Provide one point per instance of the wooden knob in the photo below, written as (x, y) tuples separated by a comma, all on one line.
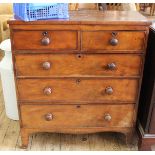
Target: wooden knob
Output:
[(109, 90), (113, 41), (47, 91), (46, 65), (45, 41), (48, 117), (107, 117), (111, 66)]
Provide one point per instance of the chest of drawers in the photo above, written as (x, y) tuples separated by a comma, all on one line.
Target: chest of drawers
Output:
[(80, 75)]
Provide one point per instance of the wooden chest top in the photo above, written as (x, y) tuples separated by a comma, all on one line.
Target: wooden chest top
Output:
[(94, 17)]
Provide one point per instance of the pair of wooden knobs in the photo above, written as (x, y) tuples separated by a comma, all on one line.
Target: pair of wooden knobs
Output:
[(49, 117), (47, 65), (48, 90), (46, 41)]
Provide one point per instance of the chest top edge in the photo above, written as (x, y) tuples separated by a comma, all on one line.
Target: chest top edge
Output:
[(92, 17)]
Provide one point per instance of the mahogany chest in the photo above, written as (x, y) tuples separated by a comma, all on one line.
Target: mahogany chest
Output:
[(80, 75)]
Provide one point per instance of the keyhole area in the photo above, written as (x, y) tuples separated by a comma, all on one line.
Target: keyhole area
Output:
[(78, 81), (79, 56), (78, 106)]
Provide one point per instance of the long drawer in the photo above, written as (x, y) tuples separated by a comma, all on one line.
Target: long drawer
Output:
[(78, 90), (53, 116), (113, 40), (78, 65), (45, 40)]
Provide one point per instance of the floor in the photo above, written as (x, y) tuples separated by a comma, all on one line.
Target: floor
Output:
[(10, 136)]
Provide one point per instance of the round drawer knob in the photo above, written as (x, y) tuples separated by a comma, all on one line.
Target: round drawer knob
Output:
[(109, 90), (107, 117), (111, 66), (47, 91), (45, 41), (48, 117), (113, 41), (46, 65)]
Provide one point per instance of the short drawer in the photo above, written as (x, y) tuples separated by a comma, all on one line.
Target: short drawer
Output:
[(53, 116), (117, 40), (78, 90), (74, 65), (45, 40)]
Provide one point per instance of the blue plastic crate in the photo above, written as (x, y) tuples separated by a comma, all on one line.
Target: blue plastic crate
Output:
[(38, 11)]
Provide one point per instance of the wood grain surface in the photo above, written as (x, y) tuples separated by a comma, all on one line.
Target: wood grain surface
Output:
[(100, 40), (94, 17), (72, 116), (78, 90), (78, 65), (58, 40)]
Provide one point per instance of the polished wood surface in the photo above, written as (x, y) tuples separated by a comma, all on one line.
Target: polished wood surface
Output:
[(35, 40), (73, 116), (78, 90), (101, 40), (94, 17), (88, 67), (74, 65)]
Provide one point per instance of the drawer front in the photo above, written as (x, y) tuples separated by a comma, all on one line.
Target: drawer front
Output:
[(107, 40), (53, 40), (50, 116), (78, 65), (78, 90)]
